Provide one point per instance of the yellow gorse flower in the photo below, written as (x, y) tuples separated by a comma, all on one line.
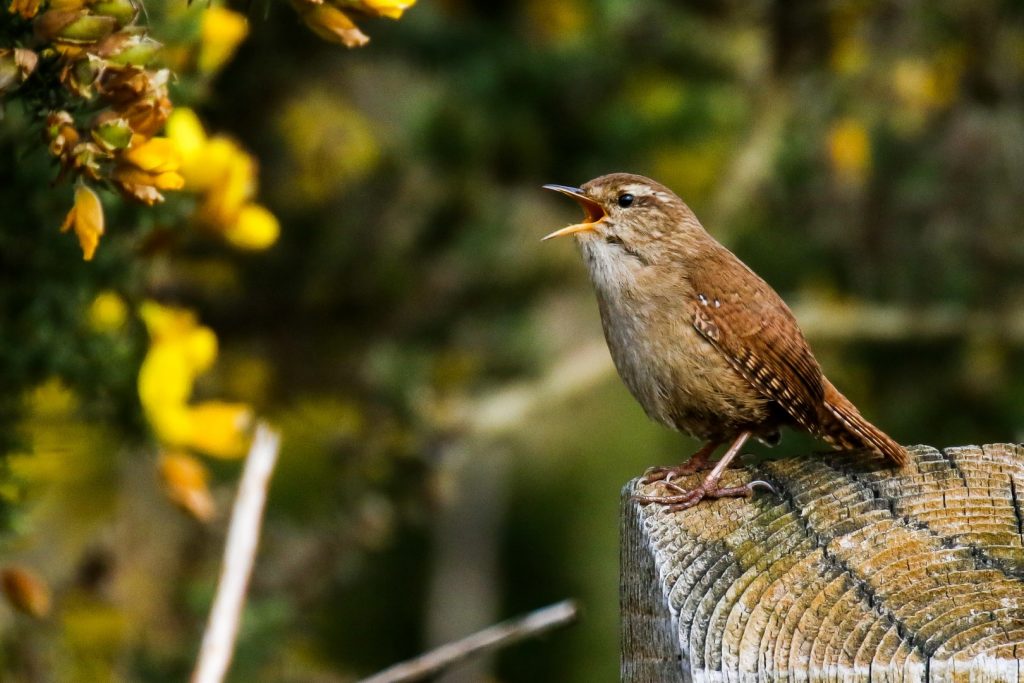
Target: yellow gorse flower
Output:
[(186, 132), (107, 312), (219, 428), (392, 9), (221, 32), (180, 350), (26, 591), (230, 179), (330, 146), (186, 482), (225, 175), (156, 155), (849, 148), (149, 167), (328, 18), (256, 228), (330, 23), (103, 59), (26, 8), (86, 217)]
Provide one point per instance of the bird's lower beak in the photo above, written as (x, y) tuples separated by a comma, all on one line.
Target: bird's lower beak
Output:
[(593, 209)]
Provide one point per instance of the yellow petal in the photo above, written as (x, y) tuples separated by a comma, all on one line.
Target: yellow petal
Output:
[(87, 218), (213, 164), (849, 147), (220, 429), (107, 312), (392, 9), (69, 220), (26, 8), (331, 24), (180, 350), (168, 180), (156, 155), (26, 591), (231, 190), (166, 322), (165, 384), (200, 348), (172, 424), (256, 228), (221, 32), (137, 184), (185, 480), (186, 132), (131, 177), (311, 124), (168, 325), (126, 175)]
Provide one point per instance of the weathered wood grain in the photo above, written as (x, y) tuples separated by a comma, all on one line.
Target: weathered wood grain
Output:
[(854, 572)]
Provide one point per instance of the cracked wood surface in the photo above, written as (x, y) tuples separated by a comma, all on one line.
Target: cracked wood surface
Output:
[(854, 572)]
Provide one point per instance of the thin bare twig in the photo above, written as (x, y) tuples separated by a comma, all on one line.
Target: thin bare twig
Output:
[(239, 553), (491, 638)]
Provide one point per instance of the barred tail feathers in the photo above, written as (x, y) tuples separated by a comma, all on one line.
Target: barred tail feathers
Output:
[(849, 429)]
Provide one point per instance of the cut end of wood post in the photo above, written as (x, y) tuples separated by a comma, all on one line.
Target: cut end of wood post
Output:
[(853, 572)]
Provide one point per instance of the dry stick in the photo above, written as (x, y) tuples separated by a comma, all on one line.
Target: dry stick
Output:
[(239, 554), (491, 638)]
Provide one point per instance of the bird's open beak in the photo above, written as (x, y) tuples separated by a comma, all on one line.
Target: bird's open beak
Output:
[(595, 212)]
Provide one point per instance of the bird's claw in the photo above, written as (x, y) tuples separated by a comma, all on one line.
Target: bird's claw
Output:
[(666, 473), (683, 499), (653, 474), (763, 484), (672, 486)]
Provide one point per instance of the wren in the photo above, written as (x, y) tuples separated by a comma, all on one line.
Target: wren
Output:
[(702, 342)]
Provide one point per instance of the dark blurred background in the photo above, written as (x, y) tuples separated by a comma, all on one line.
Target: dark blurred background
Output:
[(455, 438)]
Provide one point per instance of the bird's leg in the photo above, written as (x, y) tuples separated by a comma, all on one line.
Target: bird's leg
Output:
[(708, 488), (696, 463)]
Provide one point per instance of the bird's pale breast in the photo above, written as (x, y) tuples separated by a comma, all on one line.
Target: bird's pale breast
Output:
[(679, 378)]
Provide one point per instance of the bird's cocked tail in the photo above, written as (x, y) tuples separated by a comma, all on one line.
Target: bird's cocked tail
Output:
[(847, 428)]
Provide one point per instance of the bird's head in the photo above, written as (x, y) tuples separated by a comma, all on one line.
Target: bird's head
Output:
[(630, 214)]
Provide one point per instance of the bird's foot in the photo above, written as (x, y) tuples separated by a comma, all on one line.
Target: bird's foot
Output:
[(684, 499), (697, 463), (667, 473)]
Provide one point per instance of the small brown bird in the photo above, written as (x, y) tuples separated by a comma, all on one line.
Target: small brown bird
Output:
[(705, 345)]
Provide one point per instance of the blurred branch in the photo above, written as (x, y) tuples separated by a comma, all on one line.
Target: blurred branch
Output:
[(752, 164), (491, 638), (887, 323), (574, 373), (589, 364), (465, 571), (239, 554)]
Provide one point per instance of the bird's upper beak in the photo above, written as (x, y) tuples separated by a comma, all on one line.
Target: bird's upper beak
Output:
[(595, 212)]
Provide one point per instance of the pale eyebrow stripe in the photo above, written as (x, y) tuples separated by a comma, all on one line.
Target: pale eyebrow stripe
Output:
[(637, 190)]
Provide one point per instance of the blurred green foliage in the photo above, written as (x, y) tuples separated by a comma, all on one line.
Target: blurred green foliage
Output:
[(857, 154)]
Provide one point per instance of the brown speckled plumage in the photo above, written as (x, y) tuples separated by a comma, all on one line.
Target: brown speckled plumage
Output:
[(703, 343)]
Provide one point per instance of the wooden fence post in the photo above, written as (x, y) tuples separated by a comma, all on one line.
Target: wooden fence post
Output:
[(853, 572)]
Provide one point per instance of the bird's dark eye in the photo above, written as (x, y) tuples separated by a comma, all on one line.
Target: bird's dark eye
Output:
[(625, 200)]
